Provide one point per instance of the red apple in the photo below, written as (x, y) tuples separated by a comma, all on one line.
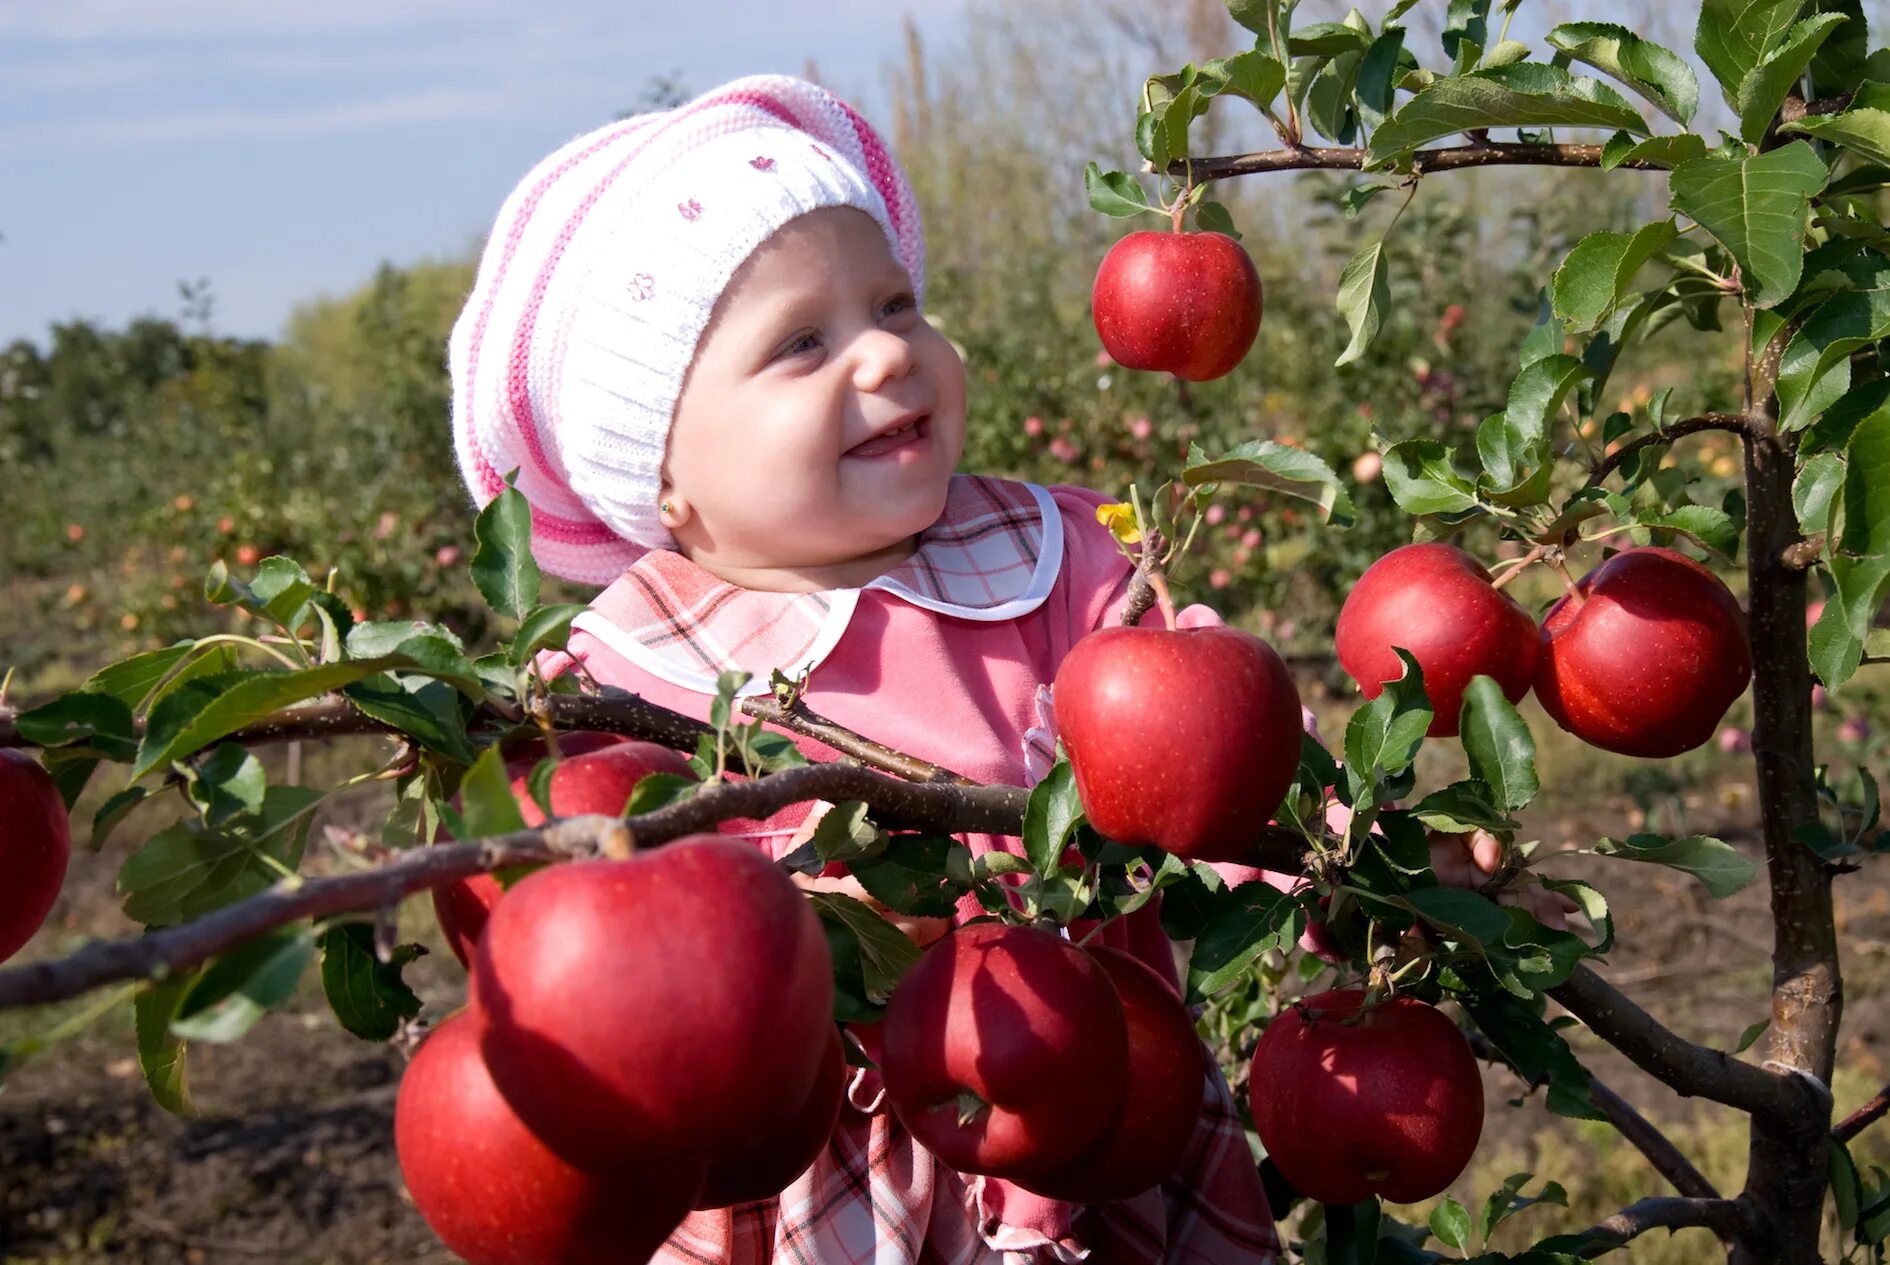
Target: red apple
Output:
[(1435, 601), (1186, 739), (35, 844), (1005, 1051), (1645, 656), (1161, 1106), (496, 1195), (1182, 303), (597, 774), (1387, 1103), (679, 1002), (770, 1161)]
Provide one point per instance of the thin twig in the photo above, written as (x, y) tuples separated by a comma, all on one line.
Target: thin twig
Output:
[(1863, 1117), (801, 719), (1690, 1070), (1453, 158), (1754, 429)]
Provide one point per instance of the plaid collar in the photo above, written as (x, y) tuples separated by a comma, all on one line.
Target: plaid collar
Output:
[(992, 555)]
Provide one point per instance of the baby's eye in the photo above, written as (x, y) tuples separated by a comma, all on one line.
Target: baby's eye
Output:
[(800, 344), (897, 304)]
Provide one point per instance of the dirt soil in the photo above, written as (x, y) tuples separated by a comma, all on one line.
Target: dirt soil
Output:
[(289, 1156)]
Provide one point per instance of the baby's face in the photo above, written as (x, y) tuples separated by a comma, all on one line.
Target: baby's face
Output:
[(780, 474)]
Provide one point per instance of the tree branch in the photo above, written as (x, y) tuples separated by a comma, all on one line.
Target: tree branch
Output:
[(1690, 1070), (1631, 1124), (1424, 161), (1863, 1117), (1753, 429), (1724, 1217), (943, 807)]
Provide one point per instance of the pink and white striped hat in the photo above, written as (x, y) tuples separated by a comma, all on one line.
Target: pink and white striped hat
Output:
[(600, 276)]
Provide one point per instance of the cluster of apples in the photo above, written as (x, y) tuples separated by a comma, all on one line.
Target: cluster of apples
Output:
[(1074, 1072), (1642, 657), (644, 1037), (35, 845)]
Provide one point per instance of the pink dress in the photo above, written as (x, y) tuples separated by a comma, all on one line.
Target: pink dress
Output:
[(945, 657)]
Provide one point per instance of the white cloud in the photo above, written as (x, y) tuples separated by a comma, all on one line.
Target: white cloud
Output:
[(446, 105)]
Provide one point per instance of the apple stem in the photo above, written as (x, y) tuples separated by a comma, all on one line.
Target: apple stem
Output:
[(1180, 209), (1518, 566), (1574, 589), (1159, 582)]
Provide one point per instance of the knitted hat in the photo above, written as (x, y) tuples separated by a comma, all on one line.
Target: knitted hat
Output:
[(599, 278)]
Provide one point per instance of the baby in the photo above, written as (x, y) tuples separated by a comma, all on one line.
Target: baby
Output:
[(698, 336)]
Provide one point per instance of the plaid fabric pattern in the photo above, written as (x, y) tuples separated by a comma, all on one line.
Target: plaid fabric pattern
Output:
[(876, 1197), (993, 554)]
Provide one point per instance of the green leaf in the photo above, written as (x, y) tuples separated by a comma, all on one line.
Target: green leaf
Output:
[(1508, 1201), (1752, 1033), (1363, 297), (229, 784), (1757, 206), (545, 628), (1254, 75), (243, 985), (1538, 1052), (1384, 735), (1114, 193), (1718, 866), (1863, 127), (1465, 22), (1051, 816), (1593, 904), (130, 680), (1846, 1190), (1538, 391), (1451, 1224), (420, 647), (1462, 807), (1815, 368), (205, 709), (486, 803), (915, 875), (282, 588), (1860, 564), (1423, 480), (114, 811), (1327, 39), (1253, 14), (502, 563), (658, 790), (1243, 923), (160, 1053), (1734, 36), (100, 723), (432, 712), (1212, 217), (1515, 465), (188, 870), (69, 773), (1278, 468), (1660, 151), (1526, 95), (367, 995), (1814, 491), (1764, 87), (1497, 741), (1600, 271), (1377, 76), (1657, 73), (843, 832), (1352, 1231), (1713, 528), (886, 953)]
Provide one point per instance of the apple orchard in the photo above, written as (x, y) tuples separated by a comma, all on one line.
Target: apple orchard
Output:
[(568, 837)]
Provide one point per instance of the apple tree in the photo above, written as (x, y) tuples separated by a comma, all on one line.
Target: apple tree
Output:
[(1445, 938)]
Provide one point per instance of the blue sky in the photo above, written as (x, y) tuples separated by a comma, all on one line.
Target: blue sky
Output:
[(283, 148)]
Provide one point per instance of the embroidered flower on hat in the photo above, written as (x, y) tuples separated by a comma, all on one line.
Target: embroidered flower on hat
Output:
[(761, 164), (690, 210), (642, 286)]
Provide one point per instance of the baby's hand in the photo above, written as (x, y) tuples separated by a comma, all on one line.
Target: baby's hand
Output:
[(921, 931), (1469, 860)]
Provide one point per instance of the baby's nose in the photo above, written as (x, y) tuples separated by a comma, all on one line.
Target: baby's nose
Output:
[(881, 356)]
